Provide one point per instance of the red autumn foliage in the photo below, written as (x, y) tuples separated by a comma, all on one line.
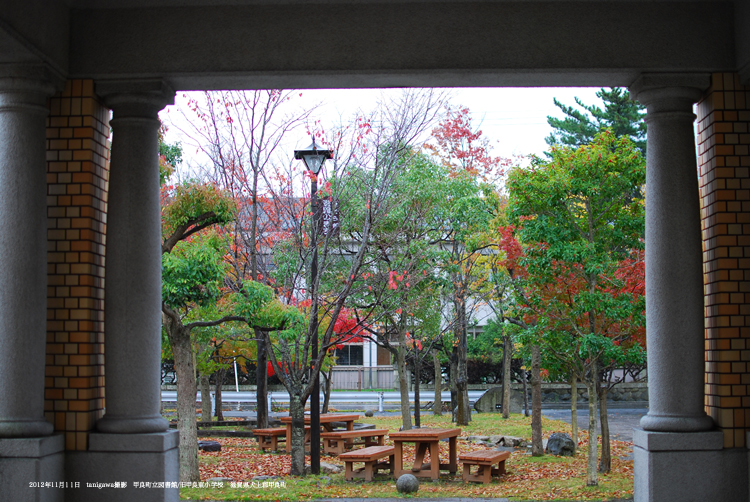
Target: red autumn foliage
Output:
[(462, 147), (569, 282)]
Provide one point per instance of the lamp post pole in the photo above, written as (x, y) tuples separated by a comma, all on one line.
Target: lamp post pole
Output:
[(315, 403), (313, 157)]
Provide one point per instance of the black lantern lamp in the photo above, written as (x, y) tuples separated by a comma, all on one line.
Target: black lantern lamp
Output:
[(313, 157)]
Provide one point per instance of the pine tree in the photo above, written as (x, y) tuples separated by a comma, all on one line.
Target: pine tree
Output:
[(624, 116)]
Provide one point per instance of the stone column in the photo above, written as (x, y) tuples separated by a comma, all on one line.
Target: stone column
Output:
[(132, 443), (674, 258), (28, 450), (132, 309), (23, 247), (677, 455)]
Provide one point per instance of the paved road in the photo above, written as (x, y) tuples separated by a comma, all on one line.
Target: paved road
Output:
[(621, 420), (368, 398)]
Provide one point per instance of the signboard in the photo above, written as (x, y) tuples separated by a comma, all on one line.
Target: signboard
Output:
[(329, 222)]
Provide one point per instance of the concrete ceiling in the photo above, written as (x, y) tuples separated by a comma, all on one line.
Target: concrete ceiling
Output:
[(208, 44)]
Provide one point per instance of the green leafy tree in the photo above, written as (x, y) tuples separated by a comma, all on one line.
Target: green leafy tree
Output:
[(400, 286), (191, 207), (485, 345), (622, 115), (192, 273), (580, 220), (464, 220), (467, 211)]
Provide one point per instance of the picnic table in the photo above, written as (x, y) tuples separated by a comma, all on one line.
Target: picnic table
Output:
[(326, 421), (425, 439)]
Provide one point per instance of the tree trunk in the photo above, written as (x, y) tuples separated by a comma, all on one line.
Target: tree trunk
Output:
[(205, 398), (605, 462), (463, 417), (403, 383), (417, 411), (525, 394), (217, 394), (591, 479), (537, 449), (297, 412), (452, 383), (261, 380), (507, 361), (327, 389), (574, 408), (437, 408), (187, 391)]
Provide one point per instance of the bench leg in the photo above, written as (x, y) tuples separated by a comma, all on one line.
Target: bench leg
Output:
[(263, 442), (466, 476), (485, 471), (435, 460), (274, 443), (452, 455), (500, 469), (398, 459), (348, 471), (369, 469), (381, 466)]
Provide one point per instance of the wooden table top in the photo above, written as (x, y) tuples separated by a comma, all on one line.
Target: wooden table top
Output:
[(327, 417), (424, 434)]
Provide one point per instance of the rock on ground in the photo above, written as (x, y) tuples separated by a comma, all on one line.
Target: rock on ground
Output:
[(209, 446), (560, 444), (407, 483), (513, 441)]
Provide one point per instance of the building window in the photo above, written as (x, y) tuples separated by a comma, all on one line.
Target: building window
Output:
[(350, 355)]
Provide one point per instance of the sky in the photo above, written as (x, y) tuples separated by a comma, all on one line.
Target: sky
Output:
[(513, 119)]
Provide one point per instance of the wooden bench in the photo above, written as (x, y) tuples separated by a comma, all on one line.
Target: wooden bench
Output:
[(370, 457), (484, 460), (269, 438), (336, 442)]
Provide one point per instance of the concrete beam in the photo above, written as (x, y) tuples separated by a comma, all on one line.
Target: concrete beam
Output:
[(386, 44)]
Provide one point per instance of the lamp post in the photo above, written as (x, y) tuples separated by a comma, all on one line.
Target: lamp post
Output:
[(313, 157)]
